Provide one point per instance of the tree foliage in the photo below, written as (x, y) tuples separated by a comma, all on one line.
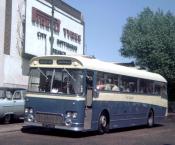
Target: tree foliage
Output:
[(149, 38)]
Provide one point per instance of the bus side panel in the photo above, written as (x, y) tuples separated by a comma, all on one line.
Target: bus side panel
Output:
[(159, 113), (125, 114), (122, 114)]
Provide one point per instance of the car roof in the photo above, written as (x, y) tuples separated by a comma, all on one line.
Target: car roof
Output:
[(11, 89)]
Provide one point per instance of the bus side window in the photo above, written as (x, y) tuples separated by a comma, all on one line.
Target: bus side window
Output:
[(164, 90), (100, 83), (108, 85), (110, 82), (146, 86), (115, 87), (157, 88), (128, 84)]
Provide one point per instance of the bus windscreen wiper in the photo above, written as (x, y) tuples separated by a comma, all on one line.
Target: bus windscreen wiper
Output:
[(69, 74), (42, 73)]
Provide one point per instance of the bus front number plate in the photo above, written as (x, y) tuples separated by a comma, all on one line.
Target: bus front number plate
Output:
[(48, 125)]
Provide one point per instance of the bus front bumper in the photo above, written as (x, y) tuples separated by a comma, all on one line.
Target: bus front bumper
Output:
[(62, 127)]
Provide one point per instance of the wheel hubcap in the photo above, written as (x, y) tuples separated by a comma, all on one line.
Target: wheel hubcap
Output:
[(103, 121), (150, 120)]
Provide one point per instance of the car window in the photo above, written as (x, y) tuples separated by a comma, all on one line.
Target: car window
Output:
[(23, 94), (8, 95), (17, 96), (2, 95)]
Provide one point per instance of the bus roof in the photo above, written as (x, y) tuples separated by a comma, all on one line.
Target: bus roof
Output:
[(109, 67)]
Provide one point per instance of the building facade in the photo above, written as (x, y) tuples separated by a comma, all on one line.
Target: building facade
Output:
[(25, 32)]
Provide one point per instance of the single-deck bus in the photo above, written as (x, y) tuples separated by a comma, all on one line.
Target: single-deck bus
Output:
[(81, 93)]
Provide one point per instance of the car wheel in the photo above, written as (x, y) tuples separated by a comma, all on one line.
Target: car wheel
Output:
[(7, 118)]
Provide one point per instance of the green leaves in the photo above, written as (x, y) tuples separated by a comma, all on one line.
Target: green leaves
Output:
[(149, 38)]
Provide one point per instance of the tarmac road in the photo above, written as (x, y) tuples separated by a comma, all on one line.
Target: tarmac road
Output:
[(163, 134)]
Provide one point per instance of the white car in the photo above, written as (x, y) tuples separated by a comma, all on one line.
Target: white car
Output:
[(11, 103)]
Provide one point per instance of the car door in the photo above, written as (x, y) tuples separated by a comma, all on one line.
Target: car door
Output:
[(18, 103), (6, 103)]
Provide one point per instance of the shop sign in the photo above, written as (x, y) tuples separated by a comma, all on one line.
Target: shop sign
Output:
[(44, 20)]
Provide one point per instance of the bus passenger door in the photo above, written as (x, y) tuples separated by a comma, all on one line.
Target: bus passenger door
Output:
[(89, 99)]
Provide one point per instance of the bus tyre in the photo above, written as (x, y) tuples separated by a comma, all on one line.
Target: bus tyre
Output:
[(103, 123), (7, 118), (150, 121)]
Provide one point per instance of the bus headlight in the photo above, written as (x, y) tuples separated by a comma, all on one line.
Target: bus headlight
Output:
[(70, 114), (31, 111), (26, 110), (74, 115)]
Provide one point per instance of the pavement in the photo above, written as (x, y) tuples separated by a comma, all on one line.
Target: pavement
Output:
[(171, 114), (10, 127)]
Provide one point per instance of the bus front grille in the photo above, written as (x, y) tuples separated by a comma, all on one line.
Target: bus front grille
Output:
[(49, 118)]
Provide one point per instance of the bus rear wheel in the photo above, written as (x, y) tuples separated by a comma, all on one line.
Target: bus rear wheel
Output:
[(103, 123), (150, 120)]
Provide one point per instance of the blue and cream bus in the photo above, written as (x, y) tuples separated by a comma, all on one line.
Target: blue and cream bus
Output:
[(82, 93)]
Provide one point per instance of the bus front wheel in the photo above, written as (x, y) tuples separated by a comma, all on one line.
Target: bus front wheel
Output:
[(103, 123), (150, 120)]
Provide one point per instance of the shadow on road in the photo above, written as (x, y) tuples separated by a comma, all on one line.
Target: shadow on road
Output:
[(12, 121), (71, 134), (57, 132), (133, 128)]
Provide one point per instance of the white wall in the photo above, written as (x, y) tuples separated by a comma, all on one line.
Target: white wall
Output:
[(13, 74)]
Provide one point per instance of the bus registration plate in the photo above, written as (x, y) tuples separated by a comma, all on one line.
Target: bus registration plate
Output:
[(48, 125)]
